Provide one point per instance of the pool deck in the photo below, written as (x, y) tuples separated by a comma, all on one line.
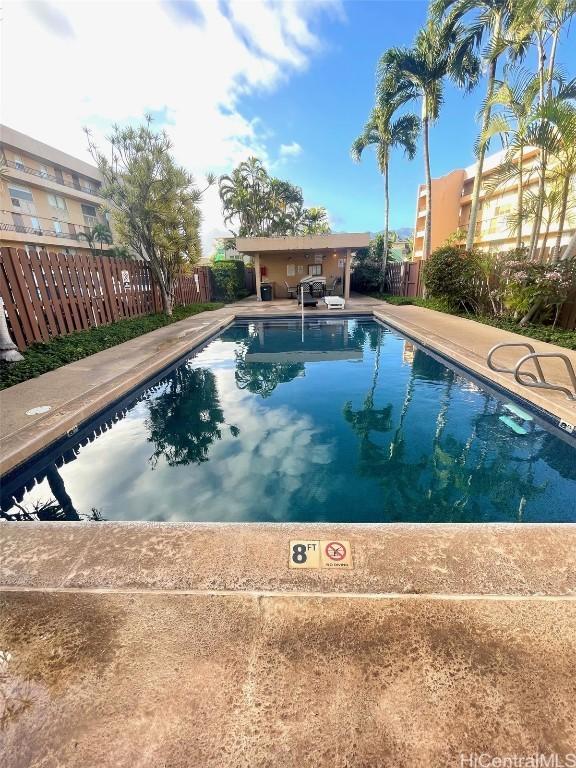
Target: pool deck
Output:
[(183, 645), (189, 645)]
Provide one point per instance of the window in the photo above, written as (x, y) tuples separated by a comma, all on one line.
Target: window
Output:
[(57, 227), (44, 171), (89, 210), (18, 162), (315, 269), (21, 199), (57, 202), (18, 222), (90, 218), (20, 193), (290, 270), (35, 224)]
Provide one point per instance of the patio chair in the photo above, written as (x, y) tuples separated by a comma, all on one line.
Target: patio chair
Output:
[(305, 294), (331, 289), (317, 289), (291, 290)]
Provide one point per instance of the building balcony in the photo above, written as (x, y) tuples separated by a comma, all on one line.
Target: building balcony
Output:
[(40, 232), (24, 172)]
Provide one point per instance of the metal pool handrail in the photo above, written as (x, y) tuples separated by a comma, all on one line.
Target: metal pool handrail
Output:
[(494, 367), (543, 384), (527, 378)]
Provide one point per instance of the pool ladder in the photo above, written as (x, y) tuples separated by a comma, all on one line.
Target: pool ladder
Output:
[(529, 379)]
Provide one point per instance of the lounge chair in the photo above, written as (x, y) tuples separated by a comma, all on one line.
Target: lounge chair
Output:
[(291, 291), (335, 302), (305, 294)]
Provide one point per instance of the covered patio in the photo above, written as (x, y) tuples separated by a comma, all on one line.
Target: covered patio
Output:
[(284, 263)]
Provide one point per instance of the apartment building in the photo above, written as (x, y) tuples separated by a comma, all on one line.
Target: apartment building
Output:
[(452, 200), (47, 197)]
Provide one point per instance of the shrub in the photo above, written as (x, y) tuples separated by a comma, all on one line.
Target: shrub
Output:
[(229, 280), (453, 275), (540, 286), (43, 357)]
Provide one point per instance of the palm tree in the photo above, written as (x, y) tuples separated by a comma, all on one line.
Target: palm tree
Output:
[(384, 133), (541, 22), (515, 103), (492, 19), (98, 233), (565, 169), (440, 51), (102, 234), (314, 221)]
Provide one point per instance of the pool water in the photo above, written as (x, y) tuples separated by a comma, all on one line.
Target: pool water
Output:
[(343, 420)]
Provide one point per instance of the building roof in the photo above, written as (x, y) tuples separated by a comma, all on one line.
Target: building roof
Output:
[(303, 242), (37, 149)]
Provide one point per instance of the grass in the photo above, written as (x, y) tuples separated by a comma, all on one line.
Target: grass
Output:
[(558, 336), (41, 358)]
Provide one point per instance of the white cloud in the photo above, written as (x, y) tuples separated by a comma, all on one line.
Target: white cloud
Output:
[(290, 150), (93, 63)]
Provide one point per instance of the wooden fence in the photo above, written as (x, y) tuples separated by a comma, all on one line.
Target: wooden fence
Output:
[(52, 294), (404, 279)]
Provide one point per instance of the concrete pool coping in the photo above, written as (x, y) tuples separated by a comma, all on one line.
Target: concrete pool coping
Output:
[(402, 559), (77, 391)]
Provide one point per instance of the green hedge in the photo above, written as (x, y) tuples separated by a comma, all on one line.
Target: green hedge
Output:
[(41, 358), (229, 280)]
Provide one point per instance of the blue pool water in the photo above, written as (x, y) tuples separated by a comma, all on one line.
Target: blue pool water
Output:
[(345, 422)]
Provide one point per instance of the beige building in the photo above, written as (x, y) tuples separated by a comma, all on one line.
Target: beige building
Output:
[(47, 197), (451, 203), (283, 262)]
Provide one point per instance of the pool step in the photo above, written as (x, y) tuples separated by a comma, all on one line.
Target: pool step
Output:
[(517, 411), (514, 426)]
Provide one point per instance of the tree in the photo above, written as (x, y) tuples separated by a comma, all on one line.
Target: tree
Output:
[(384, 133), (314, 221), (440, 51), (522, 122), (565, 170), (154, 202), (491, 19), (99, 233), (540, 22), (257, 204), (511, 121)]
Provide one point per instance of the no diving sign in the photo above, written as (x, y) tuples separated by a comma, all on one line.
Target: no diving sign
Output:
[(329, 553)]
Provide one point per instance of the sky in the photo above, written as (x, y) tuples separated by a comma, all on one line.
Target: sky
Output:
[(290, 81)]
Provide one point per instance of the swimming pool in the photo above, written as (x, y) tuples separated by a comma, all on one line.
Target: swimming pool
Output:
[(339, 420)]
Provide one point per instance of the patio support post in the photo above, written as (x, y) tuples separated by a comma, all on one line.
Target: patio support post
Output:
[(257, 275), (347, 275)]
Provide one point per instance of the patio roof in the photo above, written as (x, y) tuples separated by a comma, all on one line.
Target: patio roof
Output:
[(303, 242)]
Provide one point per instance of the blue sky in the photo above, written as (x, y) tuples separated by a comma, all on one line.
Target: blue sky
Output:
[(324, 110), (290, 81)]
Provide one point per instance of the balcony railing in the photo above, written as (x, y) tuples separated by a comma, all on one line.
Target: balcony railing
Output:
[(41, 232), (50, 177)]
